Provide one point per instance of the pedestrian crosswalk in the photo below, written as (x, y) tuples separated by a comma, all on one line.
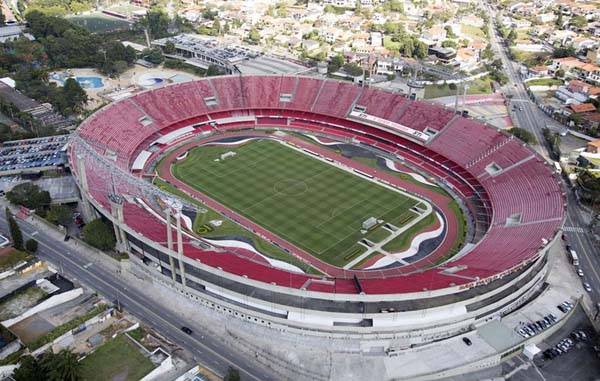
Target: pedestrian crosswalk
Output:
[(573, 229)]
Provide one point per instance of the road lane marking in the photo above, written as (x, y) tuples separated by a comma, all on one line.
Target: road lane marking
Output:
[(110, 287)]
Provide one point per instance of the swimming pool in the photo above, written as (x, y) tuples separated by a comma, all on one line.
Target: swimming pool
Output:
[(90, 82), (85, 82)]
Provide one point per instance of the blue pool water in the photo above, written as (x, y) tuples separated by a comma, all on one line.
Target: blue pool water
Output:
[(85, 82), (90, 82)]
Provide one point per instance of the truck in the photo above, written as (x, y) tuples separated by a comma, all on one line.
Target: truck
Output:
[(574, 258)]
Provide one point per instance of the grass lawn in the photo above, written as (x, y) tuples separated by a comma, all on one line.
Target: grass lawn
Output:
[(472, 31), (229, 227), (116, 360), (10, 259), (391, 45), (529, 58), (377, 235), (99, 23), (544, 82), (478, 86), (402, 242), (311, 204)]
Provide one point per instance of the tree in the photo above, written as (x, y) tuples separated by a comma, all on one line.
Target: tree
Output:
[(254, 36), (335, 63), (62, 366), (99, 234), (512, 36), (562, 52), (31, 245), (560, 73), (449, 32), (523, 134), (232, 374), (15, 230), (578, 21), (73, 97), (353, 69), (59, 215), (29, 370), (559, 19), (29, 195), (156, 21), (213, 70), (153, 55), (169, 47)]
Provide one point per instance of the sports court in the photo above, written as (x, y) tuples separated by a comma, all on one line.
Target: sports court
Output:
[(311, 204)]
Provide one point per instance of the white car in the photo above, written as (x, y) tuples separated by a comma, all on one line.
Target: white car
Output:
[(580, 272), (587, 287)]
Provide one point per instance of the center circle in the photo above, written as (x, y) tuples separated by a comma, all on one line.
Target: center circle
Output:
[(290, 187)]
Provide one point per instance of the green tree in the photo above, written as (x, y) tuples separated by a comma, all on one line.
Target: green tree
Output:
[(29, 195), (254, 36), (512, 36), (62, 366), (31, 245), (169, 47), (59, 215), (335, 63), (15, 230), (353, 69), (578, 21), (73, 97), (29, 370), (99, 234), (523, 134), (232, 374), (213, 70), (153, 55), (216, 27), (156, 21), (559, 19)]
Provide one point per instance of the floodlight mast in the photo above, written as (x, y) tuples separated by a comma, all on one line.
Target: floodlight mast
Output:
[(117, 174)]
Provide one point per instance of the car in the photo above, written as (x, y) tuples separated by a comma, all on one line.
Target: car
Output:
[(187, 330), (587, 287), (466, 340), (564, 237), (580, 272), (523, 333), (562, 308)]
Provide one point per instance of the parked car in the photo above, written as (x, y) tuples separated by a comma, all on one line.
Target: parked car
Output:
[(587, 287), (187, 330), (466, 340)]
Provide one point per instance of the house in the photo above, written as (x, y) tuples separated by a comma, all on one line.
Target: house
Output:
[(538, 71), (581, 43), (467, 59), (376, 39), (330, 35), (593, 146), (472, 20), (582, 108), (310, 45), (545, 17), (435, 34), (477, 45), (565, 64)]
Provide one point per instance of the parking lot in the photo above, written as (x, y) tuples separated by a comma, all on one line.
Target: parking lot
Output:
[(579, 363), (33, 153)]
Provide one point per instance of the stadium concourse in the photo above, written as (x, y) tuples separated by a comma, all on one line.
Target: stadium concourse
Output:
[(513, 202)]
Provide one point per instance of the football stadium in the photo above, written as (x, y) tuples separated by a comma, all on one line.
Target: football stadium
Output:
[(324, 208)]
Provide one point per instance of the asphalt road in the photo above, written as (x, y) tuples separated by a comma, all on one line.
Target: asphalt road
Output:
[(531, 118), (205, 349)]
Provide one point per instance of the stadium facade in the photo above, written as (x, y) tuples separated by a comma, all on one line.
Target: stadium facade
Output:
[(513, 200)]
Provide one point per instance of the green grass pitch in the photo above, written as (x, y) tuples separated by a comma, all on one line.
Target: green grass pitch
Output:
[(311, 204)]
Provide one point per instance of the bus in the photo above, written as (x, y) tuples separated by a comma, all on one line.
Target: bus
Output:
[(574, 258)]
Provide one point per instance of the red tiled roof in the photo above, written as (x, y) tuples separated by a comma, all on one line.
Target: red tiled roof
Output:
[(584, 107)]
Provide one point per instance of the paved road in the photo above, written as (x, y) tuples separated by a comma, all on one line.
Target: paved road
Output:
[(530, 117), (207, 350)]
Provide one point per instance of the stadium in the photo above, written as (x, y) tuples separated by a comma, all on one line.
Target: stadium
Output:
[(320, 207)]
